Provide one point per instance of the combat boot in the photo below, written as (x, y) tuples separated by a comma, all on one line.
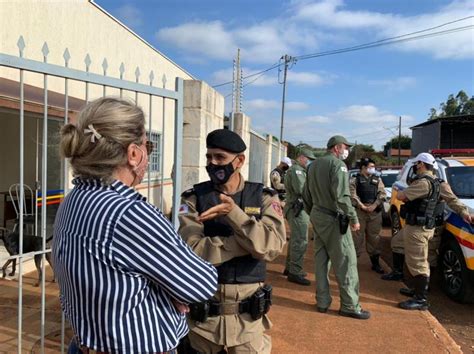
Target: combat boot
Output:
[(397, 272), (375, 264), (419, 300), (410, 292)]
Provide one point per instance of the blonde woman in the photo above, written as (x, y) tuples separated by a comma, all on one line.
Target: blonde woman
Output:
[(125, 276)]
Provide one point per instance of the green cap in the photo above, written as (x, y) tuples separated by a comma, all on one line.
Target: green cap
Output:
[(338, 139), (308, 153)]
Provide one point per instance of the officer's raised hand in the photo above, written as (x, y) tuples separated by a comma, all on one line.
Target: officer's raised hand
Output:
[(224, 208)]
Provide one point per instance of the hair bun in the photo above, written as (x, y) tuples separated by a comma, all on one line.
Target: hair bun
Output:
[(69, 140)]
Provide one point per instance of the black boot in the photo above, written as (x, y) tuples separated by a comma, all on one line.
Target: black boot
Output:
[(419, 301), (410, 292), (375, 264), (397, 272)]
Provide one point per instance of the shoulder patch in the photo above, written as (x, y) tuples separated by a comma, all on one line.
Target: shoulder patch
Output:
[(187, 193), (298, 172), (343, 168), (270, 191), (183, 209)]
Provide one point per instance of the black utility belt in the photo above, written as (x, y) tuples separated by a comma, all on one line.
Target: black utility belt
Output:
[(256, 305)]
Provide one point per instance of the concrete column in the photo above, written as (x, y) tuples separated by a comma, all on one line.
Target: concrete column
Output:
[(203, 113), (267, 167), (242, 127)]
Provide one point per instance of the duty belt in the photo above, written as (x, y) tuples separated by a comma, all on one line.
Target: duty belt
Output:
[(229, 308)]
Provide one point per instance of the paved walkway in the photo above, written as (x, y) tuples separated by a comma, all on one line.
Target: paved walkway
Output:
[(298, 328)]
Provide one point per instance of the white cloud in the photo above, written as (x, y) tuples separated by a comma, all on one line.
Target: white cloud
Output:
[(296, 106), (331, 14), (307, 25), (261, 104), (130, 15), (397, 84), (306, 78), (365, 114), (208, 39)]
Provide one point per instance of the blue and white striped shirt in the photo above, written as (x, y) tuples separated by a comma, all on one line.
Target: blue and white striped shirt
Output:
[(119, 262)]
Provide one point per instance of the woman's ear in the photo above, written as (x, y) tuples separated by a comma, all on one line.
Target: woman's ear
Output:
[(132, 155)]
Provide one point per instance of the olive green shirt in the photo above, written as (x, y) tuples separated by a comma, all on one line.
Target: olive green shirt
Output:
[(295, 179), (327, 187)]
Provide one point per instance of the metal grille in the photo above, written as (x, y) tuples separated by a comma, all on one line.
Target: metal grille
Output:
[(47, 171), (257, 158)]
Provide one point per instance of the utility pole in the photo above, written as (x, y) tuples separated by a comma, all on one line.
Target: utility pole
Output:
[(399, 138), (287, 60), (236, 89)]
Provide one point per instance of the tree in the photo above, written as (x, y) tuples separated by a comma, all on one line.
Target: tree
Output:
[(454, 106), (405, 143)]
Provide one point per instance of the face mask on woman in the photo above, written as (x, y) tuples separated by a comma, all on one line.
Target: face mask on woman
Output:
[(371, 170), (220, 174)]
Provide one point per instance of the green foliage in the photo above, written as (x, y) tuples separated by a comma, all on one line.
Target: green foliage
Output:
[(405, 143), (454, 106)]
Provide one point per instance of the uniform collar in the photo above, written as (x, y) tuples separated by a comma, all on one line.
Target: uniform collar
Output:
[(116, 185)]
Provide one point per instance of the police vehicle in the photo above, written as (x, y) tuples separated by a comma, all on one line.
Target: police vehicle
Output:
[(456, 252)]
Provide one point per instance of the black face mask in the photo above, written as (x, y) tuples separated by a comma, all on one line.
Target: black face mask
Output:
[(285, 168), (220, 174)]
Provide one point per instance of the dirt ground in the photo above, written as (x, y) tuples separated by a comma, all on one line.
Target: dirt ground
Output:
[(458, 319)]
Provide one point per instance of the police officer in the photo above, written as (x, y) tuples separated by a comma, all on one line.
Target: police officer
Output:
[(237, 226), (277, 177), (368, 194), (397, 242), (298, 219), (423, 209), (326, 197)]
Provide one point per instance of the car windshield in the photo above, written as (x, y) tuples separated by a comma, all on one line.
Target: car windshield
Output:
[(388, 179), (461, 180)]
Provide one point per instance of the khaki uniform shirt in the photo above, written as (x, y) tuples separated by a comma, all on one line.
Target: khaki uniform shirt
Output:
[(263, 239), (420, 188), (381, 194), (328, 187)]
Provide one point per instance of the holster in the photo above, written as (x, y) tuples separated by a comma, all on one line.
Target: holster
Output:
[(199, 311), (298, 207), (343, 220)]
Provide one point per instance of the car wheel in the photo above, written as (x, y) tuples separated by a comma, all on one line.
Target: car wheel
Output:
[(455, 275), (396, 225)]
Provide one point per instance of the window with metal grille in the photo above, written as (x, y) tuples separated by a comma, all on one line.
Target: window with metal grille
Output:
[(155, 157)]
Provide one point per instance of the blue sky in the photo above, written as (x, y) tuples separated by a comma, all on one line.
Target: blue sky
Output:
[(359, 94)]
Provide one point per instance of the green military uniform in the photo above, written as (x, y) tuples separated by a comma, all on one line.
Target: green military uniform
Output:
[(327, 191), (370, 222), (263, 239), (298, 219)]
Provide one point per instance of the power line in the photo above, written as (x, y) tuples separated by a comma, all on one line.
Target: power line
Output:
[(382, 42)]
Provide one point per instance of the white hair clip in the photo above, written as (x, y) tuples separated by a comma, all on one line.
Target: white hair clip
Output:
[(94, 133)]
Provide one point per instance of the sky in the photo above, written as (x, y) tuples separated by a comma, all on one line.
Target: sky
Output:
[(359, 94)]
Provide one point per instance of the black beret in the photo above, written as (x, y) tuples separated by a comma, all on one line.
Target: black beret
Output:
[(226, 140)]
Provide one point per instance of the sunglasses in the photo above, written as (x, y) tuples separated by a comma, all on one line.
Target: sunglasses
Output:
[(149, 147)]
